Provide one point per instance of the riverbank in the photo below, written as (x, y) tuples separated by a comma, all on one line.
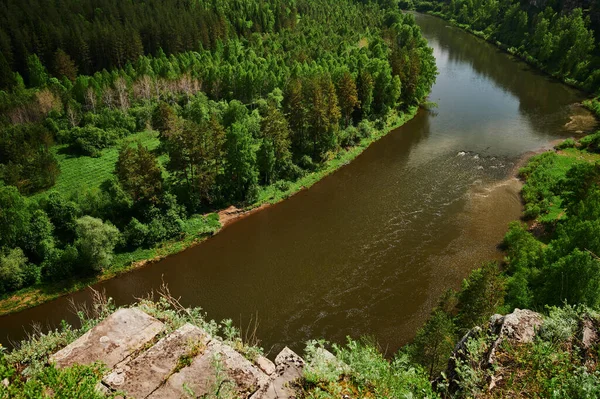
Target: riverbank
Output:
[(591, 104), (198, 228)]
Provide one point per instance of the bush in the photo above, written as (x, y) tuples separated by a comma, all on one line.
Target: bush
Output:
[(307, 163), (110, 119), (60, 263), (142, 116), (591, 142), (365, 129), (89, 140), (350, 137), (136, 233), (14, 270), (95, 243), (568, 143)]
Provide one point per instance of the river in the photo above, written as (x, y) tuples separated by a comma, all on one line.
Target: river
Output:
[(369, 249)]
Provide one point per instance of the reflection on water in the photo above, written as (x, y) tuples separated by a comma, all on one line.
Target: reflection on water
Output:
[(368, 250)]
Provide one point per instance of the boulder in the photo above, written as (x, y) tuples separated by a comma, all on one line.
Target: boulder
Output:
[(217, 370), (288, 369), (520, 326), (110, 342), (141, 376)]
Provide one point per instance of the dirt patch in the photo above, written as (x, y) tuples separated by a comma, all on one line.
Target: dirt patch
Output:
[(582, 120), (233, 214)]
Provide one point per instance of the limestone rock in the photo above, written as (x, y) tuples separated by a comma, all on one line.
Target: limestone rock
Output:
[(520, 326), (142, 375), (265, 365), (111, 341), (289, 367), (589, 334), (218, 368)]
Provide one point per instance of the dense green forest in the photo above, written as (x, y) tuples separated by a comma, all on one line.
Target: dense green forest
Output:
[(188, 106), (559, 37)]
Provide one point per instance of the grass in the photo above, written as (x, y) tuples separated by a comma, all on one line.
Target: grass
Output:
[(81, 172), (544, 172), (77, 173)]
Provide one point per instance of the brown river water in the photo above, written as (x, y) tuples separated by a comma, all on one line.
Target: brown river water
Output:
[(369, 249)]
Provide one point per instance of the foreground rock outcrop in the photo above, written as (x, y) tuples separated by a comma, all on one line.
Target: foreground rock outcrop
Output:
[(518, 327), (145, 362)]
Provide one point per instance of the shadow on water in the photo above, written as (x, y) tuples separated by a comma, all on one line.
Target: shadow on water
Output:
[(369, 249)]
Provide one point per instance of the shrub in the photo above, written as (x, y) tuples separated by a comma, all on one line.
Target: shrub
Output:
[(568, 143), (591, 142), (142, 116), (95, 242), (136, 233), (89, 140), (365, 129), (349, 137), (14, 273), (110, 119)]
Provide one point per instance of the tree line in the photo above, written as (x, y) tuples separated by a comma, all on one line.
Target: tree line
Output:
[(558, 37), (73, 36)]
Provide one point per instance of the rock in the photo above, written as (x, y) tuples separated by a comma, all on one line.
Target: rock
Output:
[(218, 368), (141, 376), (5, 382), (520, 326), (588, 338), (289, 368), (265, 365), (111, 341), (589, 335)]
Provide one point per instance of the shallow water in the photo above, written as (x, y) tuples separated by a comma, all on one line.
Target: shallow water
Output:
[(369, 249)]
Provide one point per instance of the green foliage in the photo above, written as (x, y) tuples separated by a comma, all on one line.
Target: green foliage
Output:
[(564, 267), (359, 369), (13, 270), (36, 72), (240, 164), (139, 174), (434, 343), (14, 216), (481, 295), (251, 102), (25, 157), (568, 143), (555, 37), (89, 140), (95, 242)]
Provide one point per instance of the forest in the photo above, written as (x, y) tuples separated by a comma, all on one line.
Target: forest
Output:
[(180, 108), (558, 37)]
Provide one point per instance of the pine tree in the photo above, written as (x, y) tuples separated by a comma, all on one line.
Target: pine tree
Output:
[(139, 174), (64, 66), (347, 96), (275, 152), (38, 77), (7, 76)]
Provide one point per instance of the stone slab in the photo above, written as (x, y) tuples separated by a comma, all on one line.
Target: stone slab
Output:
[(289, 368), (111, 341), (141, 376), (218, 368)]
